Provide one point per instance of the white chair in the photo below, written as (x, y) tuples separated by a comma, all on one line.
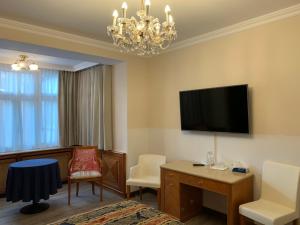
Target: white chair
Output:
[(279, 202), (146, 174)]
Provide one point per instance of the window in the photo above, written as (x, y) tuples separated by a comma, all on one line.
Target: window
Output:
[(28, 109)]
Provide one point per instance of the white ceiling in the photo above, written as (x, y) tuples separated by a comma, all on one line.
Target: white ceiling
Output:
[(44, 61), (90, 17)]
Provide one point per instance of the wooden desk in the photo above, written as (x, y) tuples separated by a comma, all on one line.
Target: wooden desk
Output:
[(182, 185)]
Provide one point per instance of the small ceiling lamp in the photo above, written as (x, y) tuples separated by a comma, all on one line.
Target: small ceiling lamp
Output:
[(22, 63), (145, 36)]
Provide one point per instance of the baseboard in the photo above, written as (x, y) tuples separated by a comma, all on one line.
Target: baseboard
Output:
[(121, 193)]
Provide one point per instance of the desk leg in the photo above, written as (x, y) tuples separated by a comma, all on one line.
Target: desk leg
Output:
[(158, 198), (240, 193), (232, 213)]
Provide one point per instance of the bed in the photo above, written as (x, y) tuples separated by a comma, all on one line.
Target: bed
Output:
[(122, 213)]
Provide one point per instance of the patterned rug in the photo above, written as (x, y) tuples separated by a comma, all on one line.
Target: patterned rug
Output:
[(122, 213)]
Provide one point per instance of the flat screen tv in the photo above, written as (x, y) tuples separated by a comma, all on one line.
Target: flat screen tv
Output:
[(222, 109)]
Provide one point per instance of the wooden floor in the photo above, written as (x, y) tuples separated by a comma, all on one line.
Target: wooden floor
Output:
[(10, 215)]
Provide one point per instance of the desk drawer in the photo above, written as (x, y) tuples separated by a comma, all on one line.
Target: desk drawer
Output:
[(210, 185), (171, 176), (170, 192)]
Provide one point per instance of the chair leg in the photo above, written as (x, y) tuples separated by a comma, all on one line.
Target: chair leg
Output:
[(128, 192), (77, 189), (158, 198), (69, 191), (93, 188), (141, 193)]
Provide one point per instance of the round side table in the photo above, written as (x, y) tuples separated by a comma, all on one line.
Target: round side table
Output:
[(33, 180)]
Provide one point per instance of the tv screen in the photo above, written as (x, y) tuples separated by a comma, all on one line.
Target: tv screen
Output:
[(223, 109)]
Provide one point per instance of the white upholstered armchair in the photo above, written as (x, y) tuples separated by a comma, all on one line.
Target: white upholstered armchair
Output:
[(146, 173), (279, 203)]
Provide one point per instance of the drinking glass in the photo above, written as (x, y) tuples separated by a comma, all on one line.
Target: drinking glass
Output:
[(210, 159)]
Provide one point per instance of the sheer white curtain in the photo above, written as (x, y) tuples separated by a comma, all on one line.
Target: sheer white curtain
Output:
[(28, 109)]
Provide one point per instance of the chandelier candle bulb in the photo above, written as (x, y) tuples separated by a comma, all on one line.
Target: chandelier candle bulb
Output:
[(115, 17), (142, 5), (22, 65), (147, 3), (124, 8), (167, 11), (33, 67), (15, 67)]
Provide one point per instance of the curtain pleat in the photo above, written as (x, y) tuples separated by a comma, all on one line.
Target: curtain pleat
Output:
[(85, 107), (67, 102)]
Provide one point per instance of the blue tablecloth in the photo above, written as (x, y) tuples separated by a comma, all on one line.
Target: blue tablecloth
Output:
[(32, 180)]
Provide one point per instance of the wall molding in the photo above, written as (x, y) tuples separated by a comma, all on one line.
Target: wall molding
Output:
[(254, 22), (247, 24), (42, 31), (83, 65)]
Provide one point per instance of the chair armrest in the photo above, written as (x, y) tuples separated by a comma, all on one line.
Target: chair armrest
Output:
[(134, 171)]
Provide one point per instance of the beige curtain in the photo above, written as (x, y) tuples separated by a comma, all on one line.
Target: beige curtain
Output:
[(92, 121), (67, 104)]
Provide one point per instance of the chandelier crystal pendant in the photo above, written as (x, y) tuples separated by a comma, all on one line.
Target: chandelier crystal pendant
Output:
[(146, 36), (22, 63)]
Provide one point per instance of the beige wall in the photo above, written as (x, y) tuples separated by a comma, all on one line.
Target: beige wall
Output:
[(266, 58), (119, 107)]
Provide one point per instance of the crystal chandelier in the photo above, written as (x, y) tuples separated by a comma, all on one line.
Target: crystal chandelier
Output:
[(146, 36), (22, 63)]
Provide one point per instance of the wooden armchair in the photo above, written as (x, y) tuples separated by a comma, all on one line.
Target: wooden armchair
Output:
[(85, 165)]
